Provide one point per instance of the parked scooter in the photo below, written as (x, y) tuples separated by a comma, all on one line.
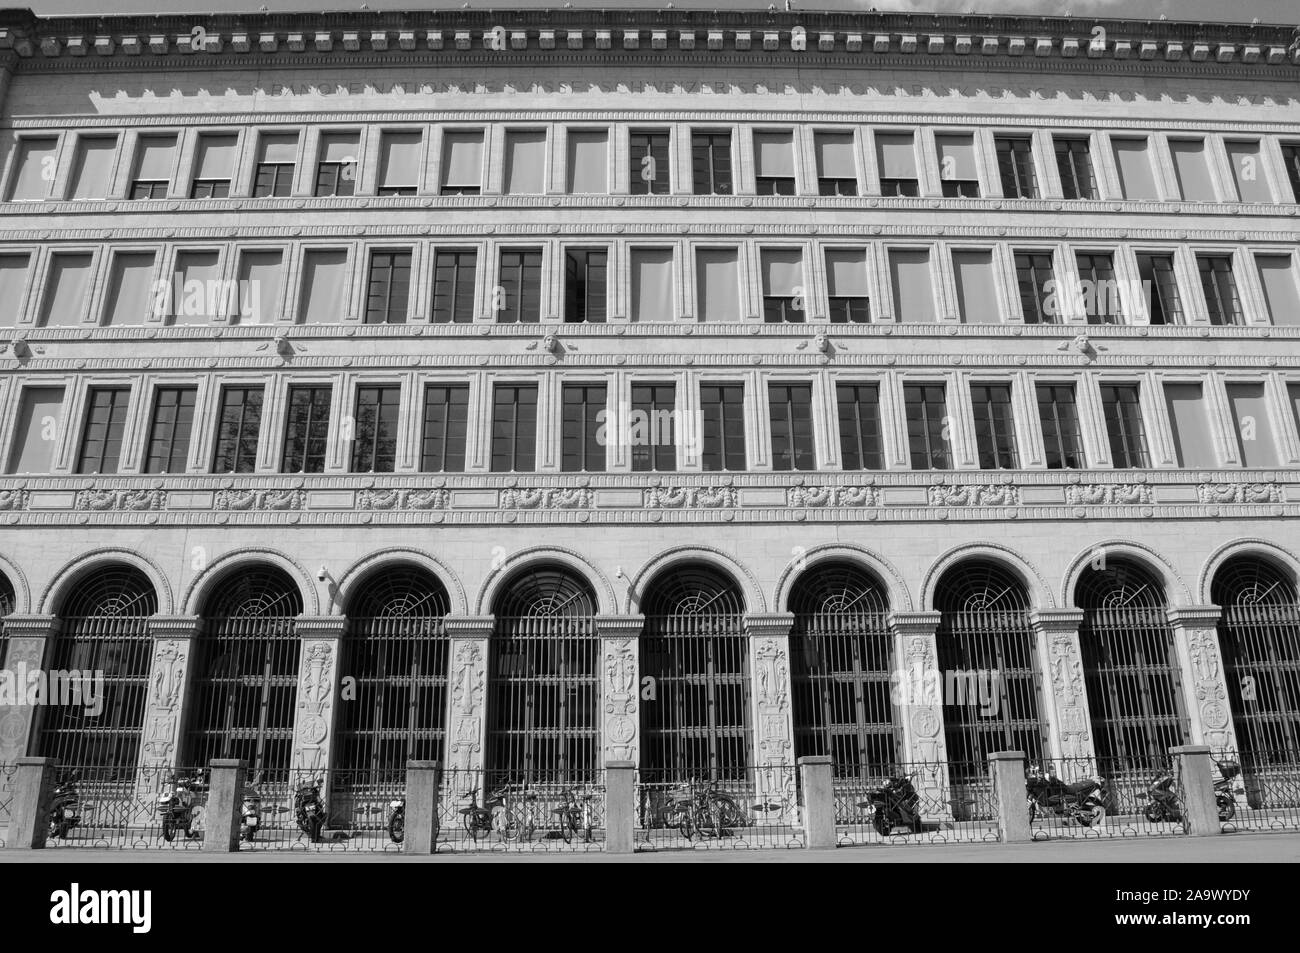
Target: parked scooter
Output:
[(250, 811), (894, 805), (1082, 802), (1165, 806), (65, 807), (397, 820), (181, 807), (309, 809)]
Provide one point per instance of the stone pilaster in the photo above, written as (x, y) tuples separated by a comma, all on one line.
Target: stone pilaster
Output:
[(29, 640), (620, 683), (318, 663), (164, 705), (1065, 699), (919, 709), (769, 665), (1205, 686), (467, 701)]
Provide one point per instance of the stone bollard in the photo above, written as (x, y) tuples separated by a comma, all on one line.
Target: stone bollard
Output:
[(225, 805), (818, 801), (1195, 770), (422, 821), (1008, 771), (620, 807), (33, 785)]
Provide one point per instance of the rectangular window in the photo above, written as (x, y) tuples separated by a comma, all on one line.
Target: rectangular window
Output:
[(1277, 276), (1074, 162), (261, 274), (1190, 426), (1136, 177), (977, 289), (652, 284), (1123, 413), (306, 430), (388, 292), (13, 284), (913, 285), (214, 165), (837, 172), (650, 164), (782, 286), (1099, 289), (588, 170), (846, 279), (324, 286), (399, 162), (521, 279), (514, 428), (337, 166), (790, 413), (774, 163), (92, 169), (153, 167), (197, 295), (1033, 274), (651, 430), (36, 436), (1016, 167), (446, 421), (169, 432), (277, 154), (374, 443), (129, 289), (1293, 396), (995, 429), (585, 285), (1059, 415), (722, 430), (525, 163), (1291, 159), (1248, 172), (711, 163), (1220, 287), (462, 162), (582, 427), (717, 279), (1252, 426), (238, 427), (896, 159), (928, 427), (1160, 286), (35, 176), (859, 416), (1192, 170), (67, 289), (957, 169), (101, 440), (453, 286)]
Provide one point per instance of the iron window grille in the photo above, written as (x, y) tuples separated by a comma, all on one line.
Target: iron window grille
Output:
[(238, 426), (169, 432), (306, 430)]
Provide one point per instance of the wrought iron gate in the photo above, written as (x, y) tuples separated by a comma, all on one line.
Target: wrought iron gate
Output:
[(1259, 635), (246, 674), (543, 682), (988, 666), (104, 632), (1130, 667), (696, 654), (841, 659)]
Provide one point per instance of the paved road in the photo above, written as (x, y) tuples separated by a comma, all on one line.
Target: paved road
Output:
[(1229, 849)]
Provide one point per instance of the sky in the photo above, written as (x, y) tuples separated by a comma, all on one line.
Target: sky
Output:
[(1268, 11)]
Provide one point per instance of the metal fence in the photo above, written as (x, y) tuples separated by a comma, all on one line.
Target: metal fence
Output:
[(1258, 790), (918, 803), (1105, 797), (107, 807), (7, 774), (755, 807), (543, 811)]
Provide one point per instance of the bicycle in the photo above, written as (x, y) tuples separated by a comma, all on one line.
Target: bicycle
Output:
[(700, 807), (499, 813), (575, 815)]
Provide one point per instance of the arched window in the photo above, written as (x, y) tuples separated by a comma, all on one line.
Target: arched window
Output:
[(1259, 635), (1130, 667), (841, 659), (246, 673), (696, 654), (103, 641), (543, 680), (395, 653), (989, 676)]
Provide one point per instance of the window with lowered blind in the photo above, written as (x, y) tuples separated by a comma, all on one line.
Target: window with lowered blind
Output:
[(1189, 426), (711, 163), (782, 286), (717, 279), (239, 424), (582, 447), (214, 166), (92, 168), (1059, 415), (525, 172), (399, 162), (169, 430), (1278, 276), (153, 167), (1220, 287), (648, 153), (514, 428), (1099, 290), (306, 430), (1035, 279), (929, 431), (453, 286), (36, 434), (896, 160), (1252, 426), (588, 168), (977, 290), (337, 166), (277, 153), (957, 170), (837, 171), (859, 420), (374, 440), (652, 431), (130, 299), (790, 416), (846, 280), (388, 291), (1123, 414), (1248, 173), (909, 269), (101, 437), (1160, 286), (520, 280), (13, 285), (774, 163), (1136, 175), (1291, 160), (446, 421), (324, 286), (462, 162), (585, 285), (261, 276), (67, 290), (34, 177), (722, 427), (1016, 167), (652, 284), (995, 429), (197, 295), (1074, 163), (1192, 170)]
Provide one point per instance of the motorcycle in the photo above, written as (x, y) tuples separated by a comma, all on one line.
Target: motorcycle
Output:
[(65, 807), (250, 811), (397, 820), (180, 808), (1165, 806), (1224, 798), (1083, 802), (309, 809), (894, 805)]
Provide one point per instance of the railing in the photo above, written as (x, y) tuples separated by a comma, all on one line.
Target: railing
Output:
[(354, 811), (1264, 791), (7, 774), (1128, 801), (756, 807), (917, 804), (118, 808), (541, 812)]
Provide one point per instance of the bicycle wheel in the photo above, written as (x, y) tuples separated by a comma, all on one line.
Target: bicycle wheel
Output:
[(729, 812), (707, 820), (566, 825)]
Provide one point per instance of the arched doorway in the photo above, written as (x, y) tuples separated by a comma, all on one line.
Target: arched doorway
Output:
[(989, 674), (695, 652), (1130, 667), (103, 635), (543, 680), (841, 660), (246, 673)]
